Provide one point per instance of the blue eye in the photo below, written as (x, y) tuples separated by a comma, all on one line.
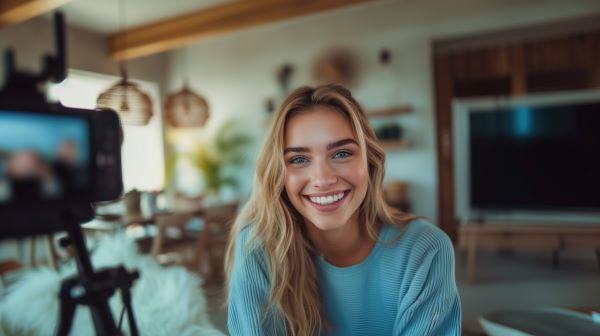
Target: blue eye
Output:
[(298, 160), (342, 155)]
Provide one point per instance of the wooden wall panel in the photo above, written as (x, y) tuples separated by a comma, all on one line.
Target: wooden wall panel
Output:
[(445, 162), (481, 64), (563, 53)]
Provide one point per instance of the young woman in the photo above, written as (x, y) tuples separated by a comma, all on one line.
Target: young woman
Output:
[(316, 250)]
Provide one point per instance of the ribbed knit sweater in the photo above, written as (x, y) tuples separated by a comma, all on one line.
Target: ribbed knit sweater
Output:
[(405, 286)]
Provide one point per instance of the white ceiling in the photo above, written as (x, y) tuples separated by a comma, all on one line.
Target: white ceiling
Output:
[(104, 17)]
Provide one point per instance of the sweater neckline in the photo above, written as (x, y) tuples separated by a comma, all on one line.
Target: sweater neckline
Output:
[(330, 268)]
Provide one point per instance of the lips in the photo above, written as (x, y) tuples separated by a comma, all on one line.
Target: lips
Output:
[(326, 202)]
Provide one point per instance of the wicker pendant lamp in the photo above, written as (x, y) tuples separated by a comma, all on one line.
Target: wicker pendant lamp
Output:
[(133, 106), (125, 97), (185, 108)]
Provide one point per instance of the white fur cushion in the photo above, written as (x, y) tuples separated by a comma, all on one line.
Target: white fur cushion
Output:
[(166, 300)]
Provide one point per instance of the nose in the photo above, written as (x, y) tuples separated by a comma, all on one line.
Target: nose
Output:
[(323, 175)]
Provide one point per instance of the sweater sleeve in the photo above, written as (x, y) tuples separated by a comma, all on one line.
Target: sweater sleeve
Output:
[(248, 311), (431, 305)]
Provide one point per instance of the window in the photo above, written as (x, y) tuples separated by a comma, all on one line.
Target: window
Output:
[(143, 146)]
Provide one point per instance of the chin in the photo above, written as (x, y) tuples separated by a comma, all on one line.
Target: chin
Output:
[(327, 224)]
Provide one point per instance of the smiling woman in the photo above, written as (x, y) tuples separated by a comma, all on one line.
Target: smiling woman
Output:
[(326, 175), (317, 251)]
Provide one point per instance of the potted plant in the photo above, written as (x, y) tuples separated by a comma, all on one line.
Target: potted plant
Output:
[(210, 155)]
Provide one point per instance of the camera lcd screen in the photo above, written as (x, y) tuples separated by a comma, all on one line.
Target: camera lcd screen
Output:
[(43, 157)]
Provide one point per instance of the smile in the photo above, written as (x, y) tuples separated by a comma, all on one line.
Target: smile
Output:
[(329, 200)]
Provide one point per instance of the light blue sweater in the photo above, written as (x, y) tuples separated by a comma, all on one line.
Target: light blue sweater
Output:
[(406, 286)]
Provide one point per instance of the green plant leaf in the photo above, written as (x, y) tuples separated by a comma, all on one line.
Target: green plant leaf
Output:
[(226, 149)]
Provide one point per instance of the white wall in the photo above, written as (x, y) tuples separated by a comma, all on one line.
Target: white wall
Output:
[(236, 73)]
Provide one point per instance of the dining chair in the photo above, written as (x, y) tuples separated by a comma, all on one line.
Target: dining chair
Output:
[(174, 242), (210, 249)]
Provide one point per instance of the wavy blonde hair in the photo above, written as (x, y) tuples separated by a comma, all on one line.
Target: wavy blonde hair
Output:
[(278, 228)]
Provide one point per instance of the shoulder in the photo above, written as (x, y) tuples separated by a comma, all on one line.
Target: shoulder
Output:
[(249, 259), (429, 236), (427, 256), (243, 236), (421, 235)]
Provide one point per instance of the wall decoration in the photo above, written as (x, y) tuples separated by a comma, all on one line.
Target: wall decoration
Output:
[(284, 75), (385, 56), (337, 65)]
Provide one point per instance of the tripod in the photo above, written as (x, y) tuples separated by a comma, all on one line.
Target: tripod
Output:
[(34, 216), (93, 289)]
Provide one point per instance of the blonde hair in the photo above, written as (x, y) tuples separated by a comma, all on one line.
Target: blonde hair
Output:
[(278, 229)]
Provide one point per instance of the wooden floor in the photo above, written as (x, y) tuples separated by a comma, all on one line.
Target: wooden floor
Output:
[(528, 280)]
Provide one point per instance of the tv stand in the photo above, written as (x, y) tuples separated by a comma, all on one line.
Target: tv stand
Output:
[(474, 236)]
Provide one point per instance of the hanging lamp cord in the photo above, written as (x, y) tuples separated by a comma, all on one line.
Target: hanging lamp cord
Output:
[(123, 33)]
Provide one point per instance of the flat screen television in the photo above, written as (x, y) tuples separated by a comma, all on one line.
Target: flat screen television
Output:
[(530, 158)]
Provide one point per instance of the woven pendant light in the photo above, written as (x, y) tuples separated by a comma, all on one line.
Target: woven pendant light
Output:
[(125, 97), (185, 108), (133, 106)]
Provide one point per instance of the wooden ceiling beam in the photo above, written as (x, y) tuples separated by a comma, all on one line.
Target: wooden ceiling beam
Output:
[(15, 11), (180, 31)]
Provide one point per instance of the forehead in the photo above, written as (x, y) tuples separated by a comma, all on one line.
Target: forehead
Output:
[(318, 126)]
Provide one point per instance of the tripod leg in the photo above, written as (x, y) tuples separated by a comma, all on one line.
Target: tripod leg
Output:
[(126, 298), (65, 316)]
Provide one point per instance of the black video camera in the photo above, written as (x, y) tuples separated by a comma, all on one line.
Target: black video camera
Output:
[(52, 156)]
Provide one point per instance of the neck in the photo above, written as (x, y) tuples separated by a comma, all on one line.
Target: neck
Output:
[(345, 246)]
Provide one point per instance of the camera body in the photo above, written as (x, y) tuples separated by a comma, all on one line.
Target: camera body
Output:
[(54, 157)]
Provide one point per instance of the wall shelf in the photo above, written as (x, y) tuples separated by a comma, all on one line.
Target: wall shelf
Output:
[(395, 144), (391, 144), (389, 112)]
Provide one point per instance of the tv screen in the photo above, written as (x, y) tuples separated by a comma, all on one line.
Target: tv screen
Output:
[(535, 158)]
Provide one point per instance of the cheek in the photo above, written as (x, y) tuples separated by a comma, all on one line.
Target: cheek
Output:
[(294, 182), (357, 174), (361, 183)]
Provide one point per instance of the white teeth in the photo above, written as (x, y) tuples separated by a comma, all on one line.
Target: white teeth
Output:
[(325, 200)]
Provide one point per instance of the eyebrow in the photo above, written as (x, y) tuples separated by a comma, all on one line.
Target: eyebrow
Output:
[(330, 146)]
